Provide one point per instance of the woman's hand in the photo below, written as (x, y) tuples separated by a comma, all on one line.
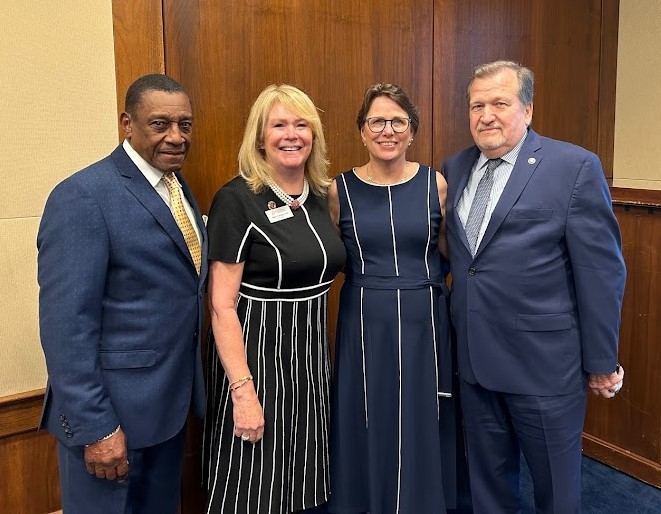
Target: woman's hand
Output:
[(248, 413)]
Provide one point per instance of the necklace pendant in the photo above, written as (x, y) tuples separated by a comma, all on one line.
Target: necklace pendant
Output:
[(294, 204)]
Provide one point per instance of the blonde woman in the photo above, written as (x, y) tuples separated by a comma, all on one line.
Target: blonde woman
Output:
[(274, 253)]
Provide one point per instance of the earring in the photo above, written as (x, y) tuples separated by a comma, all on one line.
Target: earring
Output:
[(364, 143), (410, 141)]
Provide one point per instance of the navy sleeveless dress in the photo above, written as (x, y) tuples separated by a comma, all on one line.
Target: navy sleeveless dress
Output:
[(392, 360)]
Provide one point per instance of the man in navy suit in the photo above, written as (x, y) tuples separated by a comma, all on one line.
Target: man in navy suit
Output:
[(120, 312), (538, 280)]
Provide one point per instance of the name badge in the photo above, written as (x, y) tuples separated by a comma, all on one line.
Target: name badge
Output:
[(279, 214)]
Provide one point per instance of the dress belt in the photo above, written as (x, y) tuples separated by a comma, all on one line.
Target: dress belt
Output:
[(284, 295), (394, 282)]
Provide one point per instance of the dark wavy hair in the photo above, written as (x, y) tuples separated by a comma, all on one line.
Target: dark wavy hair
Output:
[(397, 95)]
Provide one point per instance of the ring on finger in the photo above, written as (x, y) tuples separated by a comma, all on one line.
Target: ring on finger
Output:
[(245, 437)]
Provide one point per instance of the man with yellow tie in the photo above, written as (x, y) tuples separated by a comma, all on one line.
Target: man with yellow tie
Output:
[(121, 270)]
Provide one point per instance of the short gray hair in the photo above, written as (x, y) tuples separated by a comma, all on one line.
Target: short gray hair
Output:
[(525, 77)]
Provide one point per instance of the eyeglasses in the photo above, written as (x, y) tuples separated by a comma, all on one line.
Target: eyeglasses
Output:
[(379, 124)]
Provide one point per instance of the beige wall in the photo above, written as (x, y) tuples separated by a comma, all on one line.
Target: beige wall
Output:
[(59, 111), (637, 158)]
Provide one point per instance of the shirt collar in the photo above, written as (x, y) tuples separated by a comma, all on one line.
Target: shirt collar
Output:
[(510, 157), (151, 174)]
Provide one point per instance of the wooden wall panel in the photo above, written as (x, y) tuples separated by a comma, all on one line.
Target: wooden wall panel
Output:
[(138, 35), (560, 40), (28, 459), (626, 432), (225, 52), (607, 85)]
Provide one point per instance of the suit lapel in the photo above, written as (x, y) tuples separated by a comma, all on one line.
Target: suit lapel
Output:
[(526, 164), (143, 191)]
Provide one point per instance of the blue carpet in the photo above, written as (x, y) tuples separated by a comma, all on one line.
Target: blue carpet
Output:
[(605, 491)]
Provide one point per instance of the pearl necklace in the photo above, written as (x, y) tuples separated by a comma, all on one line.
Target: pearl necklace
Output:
[(288, 200), (371, 179)]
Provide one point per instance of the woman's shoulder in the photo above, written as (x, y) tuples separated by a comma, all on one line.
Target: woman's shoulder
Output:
[(233, 193)]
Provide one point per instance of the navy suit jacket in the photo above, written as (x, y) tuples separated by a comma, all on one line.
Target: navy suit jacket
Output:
[(120, 308), (538, 307)]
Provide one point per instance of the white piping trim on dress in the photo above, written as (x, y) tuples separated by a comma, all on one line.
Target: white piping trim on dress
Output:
[(362, 344), (261, 374), (321, 244), (399, 434), (428, 222), (278, 332), (392, 230), (433, 332), (306, 288), (294, 300), (268, 240), (294, 338)]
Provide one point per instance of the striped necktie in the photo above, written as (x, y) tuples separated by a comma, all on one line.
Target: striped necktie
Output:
[(479, 205), (182, 219)]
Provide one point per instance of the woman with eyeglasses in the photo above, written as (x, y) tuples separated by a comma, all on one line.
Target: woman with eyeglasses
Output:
[(392, 377)]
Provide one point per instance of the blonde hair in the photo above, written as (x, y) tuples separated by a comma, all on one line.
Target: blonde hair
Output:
[(253, 166)]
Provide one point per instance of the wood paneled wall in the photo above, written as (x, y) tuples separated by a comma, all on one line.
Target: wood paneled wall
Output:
[(226, 52), (626, 432), (570, 45), (28, 459)]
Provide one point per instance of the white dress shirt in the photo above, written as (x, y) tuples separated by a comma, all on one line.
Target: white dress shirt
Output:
[(154, 177), (501, 176)]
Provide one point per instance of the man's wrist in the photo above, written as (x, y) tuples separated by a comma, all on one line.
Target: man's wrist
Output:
[(105, 438)]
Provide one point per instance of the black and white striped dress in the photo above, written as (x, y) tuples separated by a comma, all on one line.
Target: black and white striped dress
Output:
[(288, 268)]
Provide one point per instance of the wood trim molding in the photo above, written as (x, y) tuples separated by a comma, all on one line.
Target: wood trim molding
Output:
[(636, 197), (610, 13), (622, 460), (20, 413)]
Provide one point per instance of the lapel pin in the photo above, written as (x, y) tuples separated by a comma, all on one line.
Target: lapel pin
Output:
[(271, 205), (532, 160)]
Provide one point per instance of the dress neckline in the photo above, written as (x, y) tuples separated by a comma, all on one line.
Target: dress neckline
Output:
[(413, 175)]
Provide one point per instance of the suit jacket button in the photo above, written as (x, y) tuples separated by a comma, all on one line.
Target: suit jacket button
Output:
[(69, 435), (472, 271)]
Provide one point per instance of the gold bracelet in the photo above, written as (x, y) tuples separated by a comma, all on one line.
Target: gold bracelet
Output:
[(240, 382)]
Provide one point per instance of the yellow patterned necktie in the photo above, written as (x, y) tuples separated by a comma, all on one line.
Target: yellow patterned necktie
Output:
[(183, 220)]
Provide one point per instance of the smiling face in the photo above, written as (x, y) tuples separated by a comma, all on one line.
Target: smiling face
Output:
[(387, 145), (287, 140), (498, 119), (160, 129)]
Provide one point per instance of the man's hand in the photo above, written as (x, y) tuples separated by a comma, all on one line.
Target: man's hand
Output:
[(607, 385), (108, 458)]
